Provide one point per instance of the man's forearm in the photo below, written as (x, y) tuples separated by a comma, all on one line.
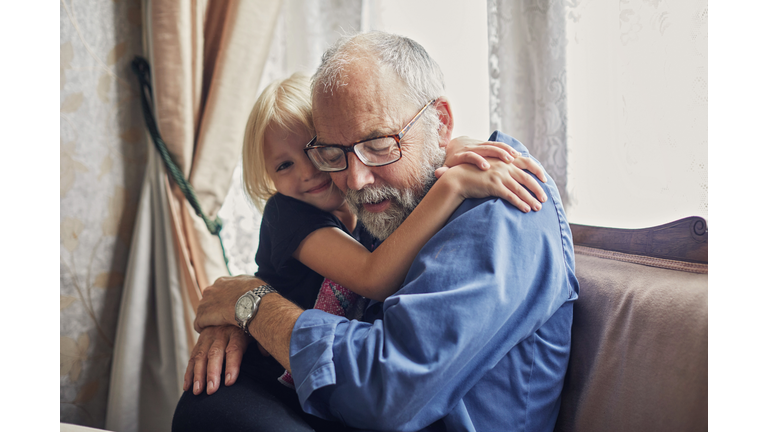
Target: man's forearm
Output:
[(273, 324)]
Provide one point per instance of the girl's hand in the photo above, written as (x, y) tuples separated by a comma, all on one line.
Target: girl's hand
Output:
[(466, 150), (503, 180)]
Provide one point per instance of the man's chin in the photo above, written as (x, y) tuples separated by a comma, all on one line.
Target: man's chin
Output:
[(382, 218), (383, 223)]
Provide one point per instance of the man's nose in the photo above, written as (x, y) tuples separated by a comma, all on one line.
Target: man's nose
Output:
[(358, 175)]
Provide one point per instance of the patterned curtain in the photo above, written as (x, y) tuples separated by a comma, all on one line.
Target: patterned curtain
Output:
[(206, 60), (103, 157), (526, 46), (134, 257)]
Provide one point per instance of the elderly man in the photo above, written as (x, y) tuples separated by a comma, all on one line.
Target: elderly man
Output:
[(477, 338)]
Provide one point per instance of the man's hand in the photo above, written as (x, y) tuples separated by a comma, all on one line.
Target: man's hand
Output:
[(215, 345), (217, 307)]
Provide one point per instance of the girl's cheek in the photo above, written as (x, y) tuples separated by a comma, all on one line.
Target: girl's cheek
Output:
[(335, 190), (280, 187)]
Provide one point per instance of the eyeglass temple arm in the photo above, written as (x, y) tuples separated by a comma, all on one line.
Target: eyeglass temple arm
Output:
[(413, 121)]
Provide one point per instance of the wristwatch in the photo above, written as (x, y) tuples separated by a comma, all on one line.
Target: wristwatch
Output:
[(248, 304)]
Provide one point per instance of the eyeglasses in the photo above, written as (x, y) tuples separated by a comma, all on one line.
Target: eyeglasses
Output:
[(372, 152)]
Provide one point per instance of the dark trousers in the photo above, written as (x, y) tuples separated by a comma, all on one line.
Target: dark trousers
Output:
[(255, 402)]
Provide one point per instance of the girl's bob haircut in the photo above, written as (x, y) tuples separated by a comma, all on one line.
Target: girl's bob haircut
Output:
[(286, 104)]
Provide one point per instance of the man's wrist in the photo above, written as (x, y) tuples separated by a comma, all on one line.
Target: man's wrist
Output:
[(265, 307), (273, 326), (247, 306)]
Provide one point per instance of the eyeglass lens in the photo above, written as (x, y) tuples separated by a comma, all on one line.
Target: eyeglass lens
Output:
[(376, 152)]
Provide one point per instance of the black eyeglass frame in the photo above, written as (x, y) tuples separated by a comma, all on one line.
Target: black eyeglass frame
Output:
[(351, 148)]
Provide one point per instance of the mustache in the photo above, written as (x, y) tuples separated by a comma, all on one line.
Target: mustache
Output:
[(372, 194)]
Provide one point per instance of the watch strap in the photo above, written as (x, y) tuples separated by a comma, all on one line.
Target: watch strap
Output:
[(258, 292), (263, 290)]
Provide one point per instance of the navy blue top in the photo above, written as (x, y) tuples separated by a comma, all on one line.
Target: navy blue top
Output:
[(284, 225), (477, 338)]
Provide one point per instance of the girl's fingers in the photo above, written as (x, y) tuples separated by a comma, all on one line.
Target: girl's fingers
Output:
[(523, 194), (440, 171), (513, 199), (528, 164), (528, 181), (469, 158), (488, 151), (505, 147)]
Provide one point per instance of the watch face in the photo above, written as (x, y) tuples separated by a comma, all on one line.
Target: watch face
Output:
[(244, 307)]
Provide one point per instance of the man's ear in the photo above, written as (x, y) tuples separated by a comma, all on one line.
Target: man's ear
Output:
[(446, 121)]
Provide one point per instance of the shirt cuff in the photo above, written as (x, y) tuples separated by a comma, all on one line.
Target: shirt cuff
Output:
[(312, 355)]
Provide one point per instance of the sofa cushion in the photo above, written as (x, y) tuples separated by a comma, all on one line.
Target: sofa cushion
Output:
[(639, 346)]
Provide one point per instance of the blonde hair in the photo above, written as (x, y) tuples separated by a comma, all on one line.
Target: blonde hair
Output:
[(286, 104)]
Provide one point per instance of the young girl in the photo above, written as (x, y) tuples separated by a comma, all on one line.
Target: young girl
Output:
[(310, 242)]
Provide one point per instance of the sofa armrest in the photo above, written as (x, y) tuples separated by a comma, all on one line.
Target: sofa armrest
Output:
[(682, 240)]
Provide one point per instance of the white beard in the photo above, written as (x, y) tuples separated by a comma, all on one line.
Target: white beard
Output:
[(402, 202)]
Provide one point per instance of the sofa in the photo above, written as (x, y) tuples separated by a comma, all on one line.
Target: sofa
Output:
[(639, 347)]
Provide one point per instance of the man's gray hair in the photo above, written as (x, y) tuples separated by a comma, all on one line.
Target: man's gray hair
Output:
[(421, 75)]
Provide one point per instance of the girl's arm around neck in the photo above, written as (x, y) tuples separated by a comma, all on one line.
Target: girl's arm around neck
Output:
[(378, 274)]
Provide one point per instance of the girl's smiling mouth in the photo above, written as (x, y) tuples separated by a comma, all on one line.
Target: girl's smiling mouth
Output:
[(320, 188)]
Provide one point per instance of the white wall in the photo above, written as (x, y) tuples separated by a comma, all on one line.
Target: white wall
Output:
[(637, 112), (637, 98), (455, 34)]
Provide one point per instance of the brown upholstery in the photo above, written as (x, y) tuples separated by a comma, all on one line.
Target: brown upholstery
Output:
[(639, 349)]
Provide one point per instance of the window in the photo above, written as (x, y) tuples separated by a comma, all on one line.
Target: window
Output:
[(636, 76)]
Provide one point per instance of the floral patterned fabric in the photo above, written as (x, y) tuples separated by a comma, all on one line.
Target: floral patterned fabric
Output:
[(337, 300), (103, 158)]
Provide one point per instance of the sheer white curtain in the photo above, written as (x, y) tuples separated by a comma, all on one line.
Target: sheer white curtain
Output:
[(528, 93), (611, 97), (206, 59)]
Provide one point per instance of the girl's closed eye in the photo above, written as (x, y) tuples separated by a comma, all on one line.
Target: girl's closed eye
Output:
[(283, 166)]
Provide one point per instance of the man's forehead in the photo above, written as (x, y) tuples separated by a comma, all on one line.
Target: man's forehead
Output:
[(365, 107), (341, 122)]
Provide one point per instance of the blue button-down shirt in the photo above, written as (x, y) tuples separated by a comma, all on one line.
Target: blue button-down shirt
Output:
[(477, 338)]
